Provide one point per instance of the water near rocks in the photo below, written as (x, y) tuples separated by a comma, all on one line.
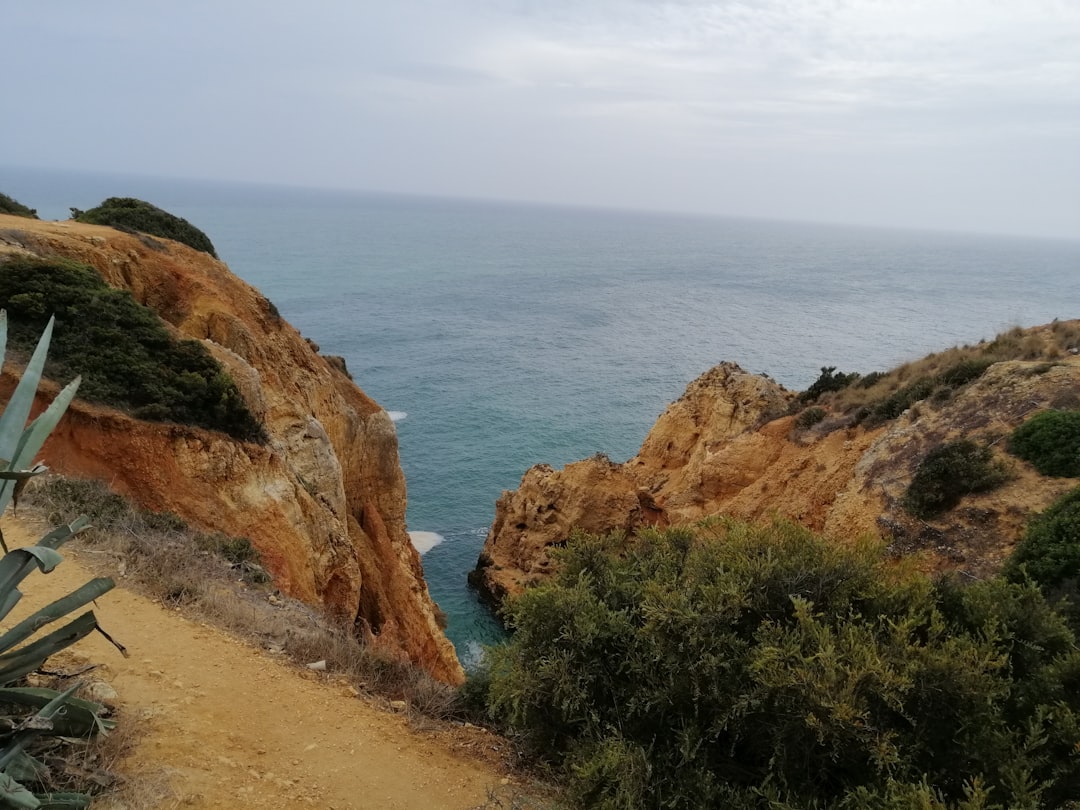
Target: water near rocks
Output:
[(498, 335)]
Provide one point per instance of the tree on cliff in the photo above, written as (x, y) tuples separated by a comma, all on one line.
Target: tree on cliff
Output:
[(749, 667)]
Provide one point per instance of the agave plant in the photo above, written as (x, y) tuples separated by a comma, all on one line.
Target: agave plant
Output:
[(27, 713)]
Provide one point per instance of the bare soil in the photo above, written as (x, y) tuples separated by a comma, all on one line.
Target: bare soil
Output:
[(222, 724)]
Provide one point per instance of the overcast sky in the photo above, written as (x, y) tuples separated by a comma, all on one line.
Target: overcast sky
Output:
[(949, 114)]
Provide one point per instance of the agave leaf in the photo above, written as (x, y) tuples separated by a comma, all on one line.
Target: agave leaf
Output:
[(61, 534), (18, 407), (21, 475), (25, 768), (14, 568), (80, 718), (3, 335), (35, 435), (42, 721), (63, 801), (55, 610), (16, 663), (12, 794)]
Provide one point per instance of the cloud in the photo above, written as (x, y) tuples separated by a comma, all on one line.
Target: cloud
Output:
[(689, 104)]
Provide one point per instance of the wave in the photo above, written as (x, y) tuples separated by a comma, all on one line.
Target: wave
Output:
[(424, 542), (396, 416)]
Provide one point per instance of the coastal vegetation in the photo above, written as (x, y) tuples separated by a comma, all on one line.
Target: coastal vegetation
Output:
[(1049, 555), (127, 357), (948, 473), (221, 579), (136, 216), (732, 665), (1050, 440), (40, 724), (9, 205), (880, 396)]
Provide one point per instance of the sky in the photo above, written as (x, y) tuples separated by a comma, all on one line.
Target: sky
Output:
[(944, 114)]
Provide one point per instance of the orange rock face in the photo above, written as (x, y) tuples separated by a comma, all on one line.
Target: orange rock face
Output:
[(323, 501), (728, 447)]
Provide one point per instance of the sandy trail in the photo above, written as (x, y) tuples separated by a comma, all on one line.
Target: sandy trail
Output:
[(230, 726)]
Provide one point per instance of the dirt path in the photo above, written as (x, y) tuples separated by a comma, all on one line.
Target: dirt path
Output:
[(230, 726)]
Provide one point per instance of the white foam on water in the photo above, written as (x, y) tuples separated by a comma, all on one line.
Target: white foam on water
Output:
[(424, 542), (473, 656), (396, 416)]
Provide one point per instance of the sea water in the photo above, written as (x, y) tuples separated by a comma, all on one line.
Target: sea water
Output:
[(502, 335)]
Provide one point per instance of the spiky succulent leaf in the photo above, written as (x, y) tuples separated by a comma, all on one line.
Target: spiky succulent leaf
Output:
[(55, 610), (63, 801), (40, 722), (24, 660), (25, 768), (12, 794), (17, 410), (80, 718), (3, 335), (61, 534), (34, 437)]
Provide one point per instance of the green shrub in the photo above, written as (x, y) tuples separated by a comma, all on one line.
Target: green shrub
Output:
[(871, 379), (940, 386), (829, 380), (948, 473), (763, 667), (12, 206), (129, 214), (1049, 553), (964, 372), (1051, 442), (809, 417), (127, 357)]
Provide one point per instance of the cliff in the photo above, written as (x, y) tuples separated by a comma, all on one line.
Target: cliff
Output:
[(732, 444), (323, 501)]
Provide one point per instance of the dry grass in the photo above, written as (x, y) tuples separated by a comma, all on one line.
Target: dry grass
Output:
[(160, 556), (1048, 344)]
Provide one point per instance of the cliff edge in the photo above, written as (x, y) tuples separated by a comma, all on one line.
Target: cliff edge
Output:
[(735, 443), (323, 500)]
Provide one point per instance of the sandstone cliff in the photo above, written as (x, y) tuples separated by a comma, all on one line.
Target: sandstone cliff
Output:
[(730, 445), (323, 501)]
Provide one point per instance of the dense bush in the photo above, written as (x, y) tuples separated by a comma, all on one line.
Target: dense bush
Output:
[(12, 206), (762, 667), (129, 214), (1049, 554), (809, 417), (1051, 442), (948, 473), (828, 380), (126, 356)]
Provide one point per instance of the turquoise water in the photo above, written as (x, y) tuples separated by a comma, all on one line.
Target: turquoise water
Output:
[(506, 335)]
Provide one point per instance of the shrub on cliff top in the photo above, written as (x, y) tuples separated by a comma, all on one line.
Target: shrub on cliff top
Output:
[(1051, 442), (752, 667), (948, 473), (126, 356), (1049, 552), (828, 380), (9, 205), (130, 214)]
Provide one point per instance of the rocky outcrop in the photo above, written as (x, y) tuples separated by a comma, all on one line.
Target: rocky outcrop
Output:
[(729, 445), (323, 501)]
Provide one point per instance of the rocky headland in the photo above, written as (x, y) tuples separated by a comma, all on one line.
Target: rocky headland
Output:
[(740, 444), (323, 500)]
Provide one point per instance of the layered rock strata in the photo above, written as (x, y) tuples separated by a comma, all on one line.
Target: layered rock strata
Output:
[(323, 501), (730, 446)]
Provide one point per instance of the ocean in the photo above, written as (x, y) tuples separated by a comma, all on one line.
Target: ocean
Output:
[(501, 335)]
